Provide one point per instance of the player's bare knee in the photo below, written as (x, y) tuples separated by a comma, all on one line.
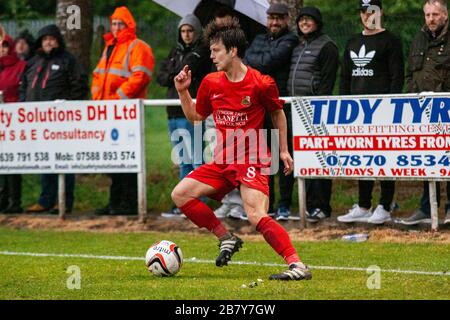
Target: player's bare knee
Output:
[(254, 217), (178, 196)]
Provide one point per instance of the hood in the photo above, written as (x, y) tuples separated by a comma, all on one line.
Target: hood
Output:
[(194, 22), (312, 12), (11, 43), (11, 58), (50, 30), (27, 36), (122, 13)]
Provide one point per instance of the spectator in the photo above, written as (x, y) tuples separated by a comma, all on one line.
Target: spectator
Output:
[(53, 74), (381, 73), (124, 72), (25, 45), (11, 69), (190, 51), (312, 73), (269, 53), (428, 70)]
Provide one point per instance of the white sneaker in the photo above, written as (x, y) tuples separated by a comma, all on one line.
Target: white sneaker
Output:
[(380, 216), (355, 214), (222, 211), (236, 212)]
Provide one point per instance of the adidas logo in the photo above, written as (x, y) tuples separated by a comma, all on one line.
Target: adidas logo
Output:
[(361, 60)]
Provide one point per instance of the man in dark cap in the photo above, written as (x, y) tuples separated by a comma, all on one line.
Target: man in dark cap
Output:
[(313, 69), (373, 64), (269, 53), (53, 74)]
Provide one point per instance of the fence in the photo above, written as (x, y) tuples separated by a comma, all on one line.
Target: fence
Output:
[(32, 144)]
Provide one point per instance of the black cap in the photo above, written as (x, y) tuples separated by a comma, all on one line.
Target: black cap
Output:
[(278, 8), (311, 12), (365, 4)]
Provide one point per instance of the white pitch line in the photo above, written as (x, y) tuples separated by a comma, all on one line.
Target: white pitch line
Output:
[(195, 260)]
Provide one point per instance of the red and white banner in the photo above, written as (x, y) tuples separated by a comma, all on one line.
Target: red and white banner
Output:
[(386, 136), (71, 137)]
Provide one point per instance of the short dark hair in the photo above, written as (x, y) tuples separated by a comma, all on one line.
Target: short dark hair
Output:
[(224, 11), (229, 32)]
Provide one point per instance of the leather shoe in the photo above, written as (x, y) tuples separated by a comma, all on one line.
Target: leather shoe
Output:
[(36, 208)]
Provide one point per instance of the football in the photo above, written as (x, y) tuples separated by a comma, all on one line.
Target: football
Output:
[(164, 259)]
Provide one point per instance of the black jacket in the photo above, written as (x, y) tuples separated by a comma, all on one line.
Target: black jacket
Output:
[(272, 55), (372, 65), (429, 62), (53, 76), (313, 66), (197, 58)]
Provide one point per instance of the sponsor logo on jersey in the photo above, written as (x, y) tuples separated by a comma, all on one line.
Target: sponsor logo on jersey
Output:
[(246, 101), (230, 118)]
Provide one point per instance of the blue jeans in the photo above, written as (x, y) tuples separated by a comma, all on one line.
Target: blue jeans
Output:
[(49, 190), (187, 152)]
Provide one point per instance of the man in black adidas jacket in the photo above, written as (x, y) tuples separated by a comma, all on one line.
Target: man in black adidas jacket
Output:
[(53, 74), (373, 64)]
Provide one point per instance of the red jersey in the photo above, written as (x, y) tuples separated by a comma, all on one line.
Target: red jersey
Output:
[(239, 110)]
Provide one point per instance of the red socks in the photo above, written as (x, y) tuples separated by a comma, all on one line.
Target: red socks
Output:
[(202, 215), (278, 239)]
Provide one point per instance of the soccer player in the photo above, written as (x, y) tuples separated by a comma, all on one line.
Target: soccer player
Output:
[(238, 97)]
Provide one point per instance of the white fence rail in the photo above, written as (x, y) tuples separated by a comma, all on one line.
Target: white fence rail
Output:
[(142, 200)]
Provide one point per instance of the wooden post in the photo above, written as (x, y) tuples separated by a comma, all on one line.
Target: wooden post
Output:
[(433, 206), (62, 196), (302, 201), (142, 175)]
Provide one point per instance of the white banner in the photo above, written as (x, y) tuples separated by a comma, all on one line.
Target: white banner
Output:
[(386, 136), (71, 137)]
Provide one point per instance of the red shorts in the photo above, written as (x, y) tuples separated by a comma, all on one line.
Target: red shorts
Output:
[(225, 178)]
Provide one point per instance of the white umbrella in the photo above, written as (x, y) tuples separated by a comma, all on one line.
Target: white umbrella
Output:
[(255, 9)]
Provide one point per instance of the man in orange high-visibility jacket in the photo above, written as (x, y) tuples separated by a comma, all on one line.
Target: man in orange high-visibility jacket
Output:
[(124, 72)]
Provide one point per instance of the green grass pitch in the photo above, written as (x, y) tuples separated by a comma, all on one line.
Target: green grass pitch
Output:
[(30, 277)]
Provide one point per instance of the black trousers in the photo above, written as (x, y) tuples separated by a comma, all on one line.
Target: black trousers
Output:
[(286, 183), (387, 194), (318, 195), (425, 200), (123, 192), (10, 191)]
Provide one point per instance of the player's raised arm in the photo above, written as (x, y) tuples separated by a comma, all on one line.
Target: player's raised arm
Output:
[(182, 83)]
